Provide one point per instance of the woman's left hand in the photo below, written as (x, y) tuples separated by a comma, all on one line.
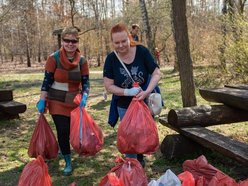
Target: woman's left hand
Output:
[(83, 100), (142, 95)]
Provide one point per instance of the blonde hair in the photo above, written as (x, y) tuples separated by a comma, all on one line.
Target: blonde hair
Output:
[(70, 30)]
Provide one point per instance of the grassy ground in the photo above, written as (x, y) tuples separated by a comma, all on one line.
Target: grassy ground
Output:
[(16, 134)]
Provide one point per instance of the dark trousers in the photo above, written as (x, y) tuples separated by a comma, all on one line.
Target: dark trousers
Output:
[(62, 124)]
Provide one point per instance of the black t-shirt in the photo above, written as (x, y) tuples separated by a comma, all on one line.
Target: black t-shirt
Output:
[(142, 66)]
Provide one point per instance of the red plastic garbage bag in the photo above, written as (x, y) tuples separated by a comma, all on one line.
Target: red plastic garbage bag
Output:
[(113, 180), (220, 179), (200, 167), (86, 137), (43, 141), (137, 132), (201, 181), (243, 183), (35, 173), (129, 171), (207, 175), (187, 178)]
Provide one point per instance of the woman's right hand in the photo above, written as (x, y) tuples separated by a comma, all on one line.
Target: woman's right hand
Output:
[(41, 105), (132, 91)]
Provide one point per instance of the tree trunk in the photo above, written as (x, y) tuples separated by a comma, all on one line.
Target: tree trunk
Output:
[(28, 55), (147, 27), (39, 36), (180, 32), (98, 27), (224, 33), (72, 5), (27, 48)]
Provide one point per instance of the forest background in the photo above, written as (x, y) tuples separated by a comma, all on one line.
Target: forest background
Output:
[(218, 52), (217, 31)]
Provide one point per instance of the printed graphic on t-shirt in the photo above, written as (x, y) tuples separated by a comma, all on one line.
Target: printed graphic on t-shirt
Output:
[(135, 73)]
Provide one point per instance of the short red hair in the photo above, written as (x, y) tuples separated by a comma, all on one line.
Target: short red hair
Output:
[(120, 27)]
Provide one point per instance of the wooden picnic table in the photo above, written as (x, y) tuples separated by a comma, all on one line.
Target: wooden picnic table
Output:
[(190, 122)]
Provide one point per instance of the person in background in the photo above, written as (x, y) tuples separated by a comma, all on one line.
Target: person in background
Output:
[(66, 75), (134, 32), (139, 62), (157, 54)]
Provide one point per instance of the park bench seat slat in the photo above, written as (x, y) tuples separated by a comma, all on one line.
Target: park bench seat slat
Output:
[(218, 142), (12, 107), (235, 97), (245, 87)]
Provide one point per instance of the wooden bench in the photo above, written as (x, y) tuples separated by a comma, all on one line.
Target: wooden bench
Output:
[(229, 147), (10, 109), (190, 122)]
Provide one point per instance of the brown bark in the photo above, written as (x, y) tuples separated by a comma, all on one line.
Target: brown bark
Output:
[(180, 31), (225, 145), (177, 146), (147, 27), (234, 97), (206, 115)]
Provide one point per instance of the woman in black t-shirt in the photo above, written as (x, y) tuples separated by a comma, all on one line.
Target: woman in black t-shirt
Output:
[(139, 62)]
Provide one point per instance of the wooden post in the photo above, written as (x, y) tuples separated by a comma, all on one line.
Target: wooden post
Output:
[(57, 33)]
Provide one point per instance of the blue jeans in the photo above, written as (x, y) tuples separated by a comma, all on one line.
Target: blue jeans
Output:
[(122, 112)]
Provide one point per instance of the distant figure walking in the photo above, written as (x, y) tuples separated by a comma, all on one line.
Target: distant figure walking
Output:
[(157, 55), (134, 32)]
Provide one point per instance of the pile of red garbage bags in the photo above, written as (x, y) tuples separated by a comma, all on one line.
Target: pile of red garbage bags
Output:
[(199, 172)]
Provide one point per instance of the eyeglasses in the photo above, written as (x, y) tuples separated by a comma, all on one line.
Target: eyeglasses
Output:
[(73, 41)]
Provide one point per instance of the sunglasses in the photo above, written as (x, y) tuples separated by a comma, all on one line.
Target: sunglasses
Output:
[(73, 41)]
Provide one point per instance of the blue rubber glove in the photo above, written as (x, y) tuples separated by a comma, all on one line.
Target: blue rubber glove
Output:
[(41, 105), (83, 100), (132, 91)]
